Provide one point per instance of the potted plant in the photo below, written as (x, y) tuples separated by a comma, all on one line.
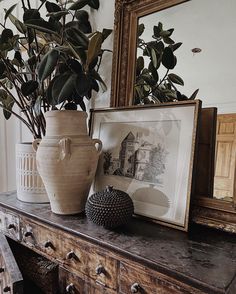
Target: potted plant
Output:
[(154, 57), (53, 63)]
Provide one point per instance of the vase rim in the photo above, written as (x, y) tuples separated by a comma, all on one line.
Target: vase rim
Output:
[(65, 112)]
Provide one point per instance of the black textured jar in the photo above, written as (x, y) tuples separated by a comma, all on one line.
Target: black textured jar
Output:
[(109, 208)]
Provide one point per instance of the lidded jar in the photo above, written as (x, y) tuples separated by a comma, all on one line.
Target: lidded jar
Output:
[(109, 208)]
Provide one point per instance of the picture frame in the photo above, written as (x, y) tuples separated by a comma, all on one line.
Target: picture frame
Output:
[(149, 152)]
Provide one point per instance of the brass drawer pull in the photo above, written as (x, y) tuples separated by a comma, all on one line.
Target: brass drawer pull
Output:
[(12, 226), (71, 255), (7, 289), (135, 288), (70, 288), (48, 244), (1, 270), (28, 234), (100, 270)]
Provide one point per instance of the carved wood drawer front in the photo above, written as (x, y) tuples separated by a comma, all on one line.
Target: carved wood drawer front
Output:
[(10, 225), (70, 283), (102, 268), (42, 239), (137, 279)]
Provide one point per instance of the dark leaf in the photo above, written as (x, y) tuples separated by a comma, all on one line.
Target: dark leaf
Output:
[(139, 65), (18, 57), (82, 15), (71, 106), (94, 85), (157, 30), (153, 71), (82, 85), (32, 60), (41, 25), (37, 106), (77, 38), (194, 95), (106, 33), (141, 28), (168, 40), (165, 33), (82, 105), (29, 87), (154, 57), (7, 34), (79, 4), (175, 46), (9, 11), (75, 66), (94, 4), (30, 14), (97, 77), (52, 7), (2, 68), (47, 64), (63, 87), (18, 24), (171, 31), (58, 15), (176, 79), (168, 58), (94, 47)]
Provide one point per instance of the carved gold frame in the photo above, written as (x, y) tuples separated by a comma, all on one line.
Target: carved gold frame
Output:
[(206, 211)]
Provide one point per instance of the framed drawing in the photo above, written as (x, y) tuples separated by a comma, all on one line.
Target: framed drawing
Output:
[(148, 152)]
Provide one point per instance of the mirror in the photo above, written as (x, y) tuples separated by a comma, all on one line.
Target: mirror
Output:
[(204, 61)]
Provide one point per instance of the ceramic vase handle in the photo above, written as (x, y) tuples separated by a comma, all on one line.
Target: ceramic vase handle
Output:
[(64, 148), (35, 144), (99, 142)]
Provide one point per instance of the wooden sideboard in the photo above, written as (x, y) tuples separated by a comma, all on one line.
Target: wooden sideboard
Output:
[(141, 257)]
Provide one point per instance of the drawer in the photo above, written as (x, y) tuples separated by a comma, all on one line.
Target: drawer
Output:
[(77, 256), (70, 283), (138, 279), (10, 225)]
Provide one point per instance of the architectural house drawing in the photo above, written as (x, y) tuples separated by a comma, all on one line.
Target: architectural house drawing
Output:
[(137, 159)]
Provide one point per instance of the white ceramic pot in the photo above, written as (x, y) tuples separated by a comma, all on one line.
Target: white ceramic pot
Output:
[(67, 160), (29, 184)]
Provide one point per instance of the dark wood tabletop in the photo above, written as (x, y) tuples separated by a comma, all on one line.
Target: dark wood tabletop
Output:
[(202, 256)]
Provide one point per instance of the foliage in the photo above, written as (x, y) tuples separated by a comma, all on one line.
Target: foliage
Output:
[(51, 62), (160, 51)]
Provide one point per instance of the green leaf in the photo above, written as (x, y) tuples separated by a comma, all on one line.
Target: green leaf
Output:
[(63, 87), (37, 106), (3, 95), (157, 30), (168, 58), (30, 14), (94, 47), (194, 95), (79, 4), (17, 23), (9, 11), (94, 4), (29, 87), (154, 57), (47, 64), (153, 71), (7, 102), (176, 79), (41, 25), (7, 34)]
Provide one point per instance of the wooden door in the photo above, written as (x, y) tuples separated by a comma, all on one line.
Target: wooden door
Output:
[(11, 280), (224, 181)]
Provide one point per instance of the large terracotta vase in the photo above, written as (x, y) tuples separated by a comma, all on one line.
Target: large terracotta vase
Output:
[(67, 160)]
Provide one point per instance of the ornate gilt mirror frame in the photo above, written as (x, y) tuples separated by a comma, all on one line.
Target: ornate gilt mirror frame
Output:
[(208, 211)]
